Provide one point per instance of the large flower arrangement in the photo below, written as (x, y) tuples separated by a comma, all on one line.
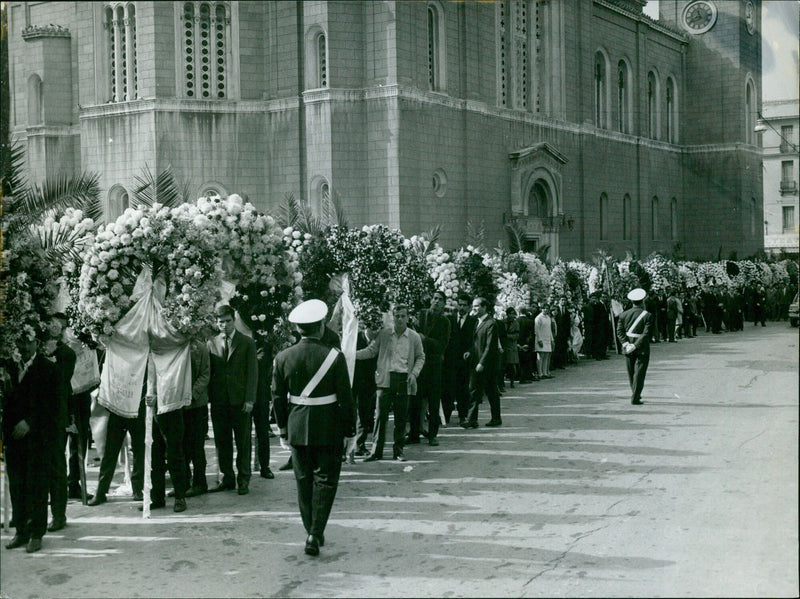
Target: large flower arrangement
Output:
[(538, 277), (713, 276), (476, 274), (441, 268), (513, 292), (565, 289), (663, 273), (28, 291), (687, 273), (257, 256), (169, 243)]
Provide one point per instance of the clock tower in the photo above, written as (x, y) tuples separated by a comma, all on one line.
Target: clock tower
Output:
[(723, 67)]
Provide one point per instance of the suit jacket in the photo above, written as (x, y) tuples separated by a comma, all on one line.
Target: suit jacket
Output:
[(201, 373), (234, 378), (364, 373), (525, 331), (434, 329), (326, 424), (381, 346), (484, 344), (626, 319), (65, 362), (35, 399), (461, 337)]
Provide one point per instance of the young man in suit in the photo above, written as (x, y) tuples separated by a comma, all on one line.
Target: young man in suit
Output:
[(232, 394), (315, 413), (633, 332), (31, 402), (400, 360), (483, 359), (461, 341)]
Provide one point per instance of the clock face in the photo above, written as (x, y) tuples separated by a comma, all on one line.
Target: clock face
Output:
[(750, 17), (699, 16)]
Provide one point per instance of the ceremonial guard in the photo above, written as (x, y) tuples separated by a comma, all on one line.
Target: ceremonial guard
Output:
[(633, 333), (315, 412)]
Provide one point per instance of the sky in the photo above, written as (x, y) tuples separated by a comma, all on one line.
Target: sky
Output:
[(779, 61)]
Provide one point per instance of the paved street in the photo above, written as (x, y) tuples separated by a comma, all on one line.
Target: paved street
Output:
[(694, 493)]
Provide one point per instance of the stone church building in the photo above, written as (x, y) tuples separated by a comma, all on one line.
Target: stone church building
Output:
[(585, 124)]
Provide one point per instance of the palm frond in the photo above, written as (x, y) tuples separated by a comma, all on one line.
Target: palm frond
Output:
[(12, 163), (162, 189), (333, 211), (287, 213), (60, 243), (542, 252), (50, 198), (432, 235), (476, 234), (517, 237)]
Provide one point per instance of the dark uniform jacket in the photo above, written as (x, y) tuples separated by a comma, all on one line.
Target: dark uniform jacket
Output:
[(435, 332), (35, 399), (626, 319), (312, 425), (233, 379)]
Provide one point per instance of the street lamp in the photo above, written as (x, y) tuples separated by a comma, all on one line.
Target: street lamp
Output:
[(761, 125)]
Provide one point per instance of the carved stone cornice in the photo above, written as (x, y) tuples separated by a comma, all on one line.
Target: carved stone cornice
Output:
[(33, 32)]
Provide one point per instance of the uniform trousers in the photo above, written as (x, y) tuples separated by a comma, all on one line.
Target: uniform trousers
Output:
[(394, 397), (168, 451), (28, 467), (637, 370), (195, 429), (58, 477), (261, 424), (316, 470), (232, 422), (115, 434), (480, 383)]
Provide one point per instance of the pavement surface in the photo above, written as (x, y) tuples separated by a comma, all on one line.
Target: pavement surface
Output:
[(579, 493)]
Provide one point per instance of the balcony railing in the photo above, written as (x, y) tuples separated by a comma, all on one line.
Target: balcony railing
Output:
[(788, 187)]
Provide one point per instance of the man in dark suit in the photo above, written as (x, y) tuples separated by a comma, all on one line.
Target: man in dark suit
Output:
[(232, 394), (64, 359), (461, 341), (633, 333), (434, 329), (526, 351), (315, 412), (31, 400), (483, 360), (365, 392)]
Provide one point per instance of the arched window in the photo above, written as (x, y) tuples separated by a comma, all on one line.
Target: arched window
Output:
[(34, 98), (604, 216), (212, 188), (626, 217), (320, 194), (601, 90), (117, 203), (653, 124), (750, 112), (205, 34), (672, 110), (624, 98), (316, 58), (436, 52), (538, 200), (654, 217), (673, 218), (119, 21)]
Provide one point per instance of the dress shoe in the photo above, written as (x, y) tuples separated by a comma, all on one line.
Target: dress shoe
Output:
[(637, 402), (433, 441), (286, 466), (312, 545), (362, 451), (74, 493), (180, 505), (469, 425), (222, 487), (400, 457), (98, 499), (195, 491), (17, 541), (57, 524), (412, 440), (33, 545), (138, 495), (155, 505), (462, 422), (494, 423), (171, 493), (373, 458), (267, 473), (243, 489)]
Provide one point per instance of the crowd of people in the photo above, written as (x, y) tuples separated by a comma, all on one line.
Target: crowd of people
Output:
[(431, 369)]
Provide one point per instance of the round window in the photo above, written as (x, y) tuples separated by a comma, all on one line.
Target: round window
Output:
[(439, 182)]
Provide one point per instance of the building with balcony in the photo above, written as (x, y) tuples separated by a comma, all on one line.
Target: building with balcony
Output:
[(780, 128), (584, 124)]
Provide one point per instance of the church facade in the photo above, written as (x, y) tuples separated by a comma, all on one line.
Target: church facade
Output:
[(580, 124)]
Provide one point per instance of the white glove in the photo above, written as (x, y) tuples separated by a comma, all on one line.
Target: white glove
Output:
[(285, 444)]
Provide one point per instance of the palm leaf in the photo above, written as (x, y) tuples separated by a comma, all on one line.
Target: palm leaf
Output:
[(288, 213), (162, 189), (476, 234), (60, 243), (333, 211), (517, 237), (35, 202), (12, 165)]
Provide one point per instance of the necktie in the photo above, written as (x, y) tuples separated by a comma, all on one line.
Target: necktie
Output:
[(226, 347)]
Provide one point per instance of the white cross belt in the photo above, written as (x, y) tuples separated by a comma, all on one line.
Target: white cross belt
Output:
[(312, 401)]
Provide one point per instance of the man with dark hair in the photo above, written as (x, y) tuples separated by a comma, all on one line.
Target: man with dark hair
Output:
[(483, 359), (461, 340), (526, 341), (633, 333), (434, 330), (31, 398), (315, 413), (400, 360), (232, 394), (64, 358)]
